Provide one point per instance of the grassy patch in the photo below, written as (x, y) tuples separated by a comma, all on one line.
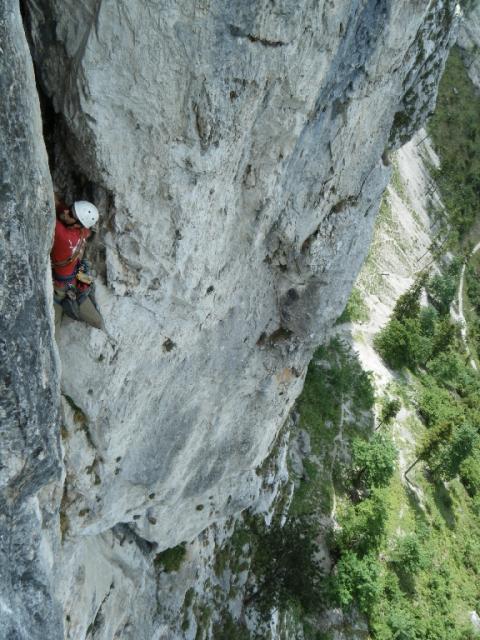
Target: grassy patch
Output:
[(80, 420), (396, 181), (356, 309)]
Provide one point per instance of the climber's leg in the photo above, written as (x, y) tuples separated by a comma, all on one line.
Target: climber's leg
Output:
[(58, 296), (89, 313), (58, 316)]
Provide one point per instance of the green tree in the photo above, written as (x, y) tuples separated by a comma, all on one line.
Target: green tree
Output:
[(430, 444), (284, 563), (470, 472), (441, 291), (444, 336), (449, 369), (428, 321), (363, 525), (401, 344), (454, 451), (441, 288), (473, 286), (356, 580), (389, 411), (373, 461), (455, 131), (436, 404), (408, 304), (408, 554), (444, 448)]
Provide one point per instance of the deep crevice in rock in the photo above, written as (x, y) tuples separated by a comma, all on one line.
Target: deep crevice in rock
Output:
[(236, 32), (69, 181)]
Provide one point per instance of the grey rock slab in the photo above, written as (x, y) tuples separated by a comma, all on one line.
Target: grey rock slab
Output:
[(29, 372)]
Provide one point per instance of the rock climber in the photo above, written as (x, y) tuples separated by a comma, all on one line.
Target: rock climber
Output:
[(72, 283)]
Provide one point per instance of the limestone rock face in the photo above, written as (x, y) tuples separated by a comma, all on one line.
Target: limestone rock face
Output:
[(237, 151), (29, 373), (240, 144), (469, 41)]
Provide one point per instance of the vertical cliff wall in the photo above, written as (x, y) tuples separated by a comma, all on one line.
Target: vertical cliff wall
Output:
[(238, 152), (29, 373), (241, 146)]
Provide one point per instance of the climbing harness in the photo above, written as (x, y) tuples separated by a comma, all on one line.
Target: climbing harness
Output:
[(74, 294), (73, 257)]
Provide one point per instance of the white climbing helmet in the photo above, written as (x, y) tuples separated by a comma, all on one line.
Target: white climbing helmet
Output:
[(85, 212)]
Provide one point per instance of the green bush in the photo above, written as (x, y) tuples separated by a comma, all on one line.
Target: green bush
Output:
[(408, 554), (284, 563), (363, 525), (356, 309), (470, 472), (171, 559), (389, 411), (454, 452), (373, 461), (357, 580)]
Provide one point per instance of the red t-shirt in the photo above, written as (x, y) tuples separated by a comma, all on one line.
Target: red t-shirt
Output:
[(67, 244)]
